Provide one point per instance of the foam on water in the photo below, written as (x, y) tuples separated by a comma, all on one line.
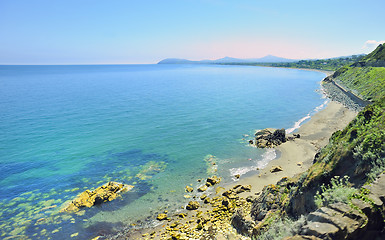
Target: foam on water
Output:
[(297, 124), (266, 157)]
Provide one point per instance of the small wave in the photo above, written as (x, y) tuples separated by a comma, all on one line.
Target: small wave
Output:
[(308, 116), (269, 155)]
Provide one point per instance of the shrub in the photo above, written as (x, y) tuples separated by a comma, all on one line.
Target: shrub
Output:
[(282, 228), (339, 190)]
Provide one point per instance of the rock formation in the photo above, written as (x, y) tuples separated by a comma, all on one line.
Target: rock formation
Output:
[(104, 193), (269, 137)]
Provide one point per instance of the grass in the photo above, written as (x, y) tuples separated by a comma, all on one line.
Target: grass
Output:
[(367, 82)]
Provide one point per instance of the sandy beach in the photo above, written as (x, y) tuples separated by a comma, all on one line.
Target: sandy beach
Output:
[(297, 155)]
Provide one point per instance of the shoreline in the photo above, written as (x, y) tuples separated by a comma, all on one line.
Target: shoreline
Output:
[(297, 155)]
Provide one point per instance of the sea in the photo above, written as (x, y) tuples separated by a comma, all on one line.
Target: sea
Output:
[(157, 127)]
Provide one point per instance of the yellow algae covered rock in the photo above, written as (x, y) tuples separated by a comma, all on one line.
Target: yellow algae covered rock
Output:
[(211, 181), (162, 216), (150, 169), (189, 189), (104, 193)]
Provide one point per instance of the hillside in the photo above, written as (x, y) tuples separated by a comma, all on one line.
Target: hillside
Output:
[(330, 64), (342, 195), (366, 77)]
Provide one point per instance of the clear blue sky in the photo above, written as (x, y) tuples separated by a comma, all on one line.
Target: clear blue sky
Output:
[(144, 31)]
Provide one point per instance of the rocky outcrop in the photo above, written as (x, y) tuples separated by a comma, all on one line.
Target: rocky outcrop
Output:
[(268, 201), (268, 138), (242, 222), (104, 193), (364, 218), (337, 221)]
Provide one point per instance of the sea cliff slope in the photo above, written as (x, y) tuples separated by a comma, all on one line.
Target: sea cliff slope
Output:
[(341, 196)]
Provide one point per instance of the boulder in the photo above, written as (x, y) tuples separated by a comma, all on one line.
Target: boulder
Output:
[(202, 188), (270, 137), (189, 189), (104, 193), (243, 188), (231, 194), (213, 180), (321, 230), (296, 135), (162, 216), (276, 169), (192, 205)]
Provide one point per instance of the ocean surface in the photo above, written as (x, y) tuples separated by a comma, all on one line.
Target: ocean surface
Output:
[(65, 129)]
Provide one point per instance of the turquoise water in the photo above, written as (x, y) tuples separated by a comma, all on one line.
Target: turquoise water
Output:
[(65, 129)]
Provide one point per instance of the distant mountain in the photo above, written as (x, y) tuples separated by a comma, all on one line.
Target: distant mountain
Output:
[(228, 60)]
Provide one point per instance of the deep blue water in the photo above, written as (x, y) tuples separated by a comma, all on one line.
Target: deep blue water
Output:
[(65, 129)]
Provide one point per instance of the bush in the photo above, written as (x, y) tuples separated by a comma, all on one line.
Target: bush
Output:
[(282, 228), (339, 190)]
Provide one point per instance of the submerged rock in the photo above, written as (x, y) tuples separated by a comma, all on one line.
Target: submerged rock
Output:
[(104, 193)]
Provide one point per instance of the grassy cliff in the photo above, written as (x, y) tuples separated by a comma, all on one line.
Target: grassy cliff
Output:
[(365, 78)]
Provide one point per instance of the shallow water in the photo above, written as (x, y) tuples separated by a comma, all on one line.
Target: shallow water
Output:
[(70, 128)]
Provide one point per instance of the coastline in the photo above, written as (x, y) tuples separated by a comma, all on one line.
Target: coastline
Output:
[(297, 155)]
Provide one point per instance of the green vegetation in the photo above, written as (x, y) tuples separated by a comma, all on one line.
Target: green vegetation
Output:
[(367, 77), (366, 82), (282, 228), (378, 55), (322, 64), (360, 145), (331, 64), (339, 190)]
